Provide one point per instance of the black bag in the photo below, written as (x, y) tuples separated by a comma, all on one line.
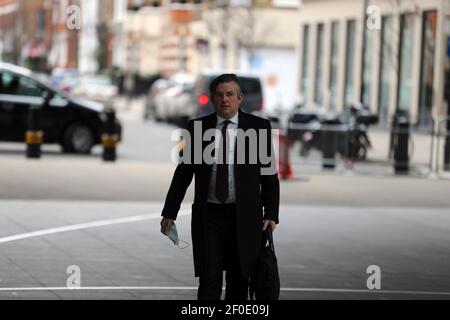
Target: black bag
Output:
[(265, 282)]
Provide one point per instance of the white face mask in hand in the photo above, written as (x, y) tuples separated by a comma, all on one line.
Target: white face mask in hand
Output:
[(172, 234)]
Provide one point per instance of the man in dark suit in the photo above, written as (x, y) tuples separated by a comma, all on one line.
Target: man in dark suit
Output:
[(234, 200)]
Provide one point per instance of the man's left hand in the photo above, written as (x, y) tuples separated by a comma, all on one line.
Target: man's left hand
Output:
[(272, 224)]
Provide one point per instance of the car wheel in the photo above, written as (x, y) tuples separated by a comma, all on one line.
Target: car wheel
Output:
[(78, 138)]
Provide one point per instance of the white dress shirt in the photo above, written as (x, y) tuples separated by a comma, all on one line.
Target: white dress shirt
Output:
[(232, 132)]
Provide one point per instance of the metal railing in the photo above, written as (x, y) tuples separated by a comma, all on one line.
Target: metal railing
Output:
[(347, 148), (317, 147)]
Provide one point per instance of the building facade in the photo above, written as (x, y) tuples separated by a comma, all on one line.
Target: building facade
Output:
[(64, 36), (9, 40), (257, 37), (25, 37), (391, 58)]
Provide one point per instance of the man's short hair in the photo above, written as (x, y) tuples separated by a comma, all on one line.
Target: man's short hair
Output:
[(223, 78)]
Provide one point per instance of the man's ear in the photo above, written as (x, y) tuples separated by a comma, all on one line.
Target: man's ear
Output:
[(241, 97)]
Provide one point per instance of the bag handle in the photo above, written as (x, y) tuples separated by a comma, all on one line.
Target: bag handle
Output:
[(269, 237)]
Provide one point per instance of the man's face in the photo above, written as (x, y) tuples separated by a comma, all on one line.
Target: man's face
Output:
[(226, 100)]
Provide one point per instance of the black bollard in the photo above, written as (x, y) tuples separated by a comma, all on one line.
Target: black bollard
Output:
[(110, 137), (401, 144), (34, 137), (329, 143), (447, 137), (447, 148)]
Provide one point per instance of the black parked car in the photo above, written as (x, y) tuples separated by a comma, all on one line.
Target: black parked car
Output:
[(74, 123)]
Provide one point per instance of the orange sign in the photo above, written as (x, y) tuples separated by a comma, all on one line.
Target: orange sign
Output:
[(180, 16)]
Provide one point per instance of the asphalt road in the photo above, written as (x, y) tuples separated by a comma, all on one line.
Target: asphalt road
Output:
[(144, 170), (323, 252), (64, 210)]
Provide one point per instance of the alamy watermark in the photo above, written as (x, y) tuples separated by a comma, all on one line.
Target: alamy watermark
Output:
[(251, 146), (374, 280), (73, 17), (373, 21), (74, 279)]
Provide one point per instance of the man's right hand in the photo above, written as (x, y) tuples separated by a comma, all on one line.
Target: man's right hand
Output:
[(166, 223)]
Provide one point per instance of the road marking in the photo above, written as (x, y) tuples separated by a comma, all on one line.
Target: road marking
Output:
[(329, 290), (94, 288), (87, 225), (367, 291)]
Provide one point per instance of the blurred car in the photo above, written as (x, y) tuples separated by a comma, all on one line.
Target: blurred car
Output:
[(181, 103), (200, 103), (153, 97), (96, 87), (178, 97), (74, 123), (174, 97)]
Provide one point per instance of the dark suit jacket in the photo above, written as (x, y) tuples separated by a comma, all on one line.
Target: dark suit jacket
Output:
[(257, 196)]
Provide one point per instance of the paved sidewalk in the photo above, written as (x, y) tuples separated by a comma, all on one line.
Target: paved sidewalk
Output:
[(91, 179), (323, 252)]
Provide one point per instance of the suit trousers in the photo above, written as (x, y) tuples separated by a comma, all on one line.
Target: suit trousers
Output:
[(221, 253)]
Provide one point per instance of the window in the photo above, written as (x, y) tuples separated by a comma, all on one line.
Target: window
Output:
[(349, 64), (15, 85), (385, 69), (29, 87), (6, 85), (318, 96), (405, 61), (334, 52), (427, 66), (40, 17), (305, 58), (367, 67)]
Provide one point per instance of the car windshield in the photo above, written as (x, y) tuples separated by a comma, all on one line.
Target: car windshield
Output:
[(250, 85), (13, 84)]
